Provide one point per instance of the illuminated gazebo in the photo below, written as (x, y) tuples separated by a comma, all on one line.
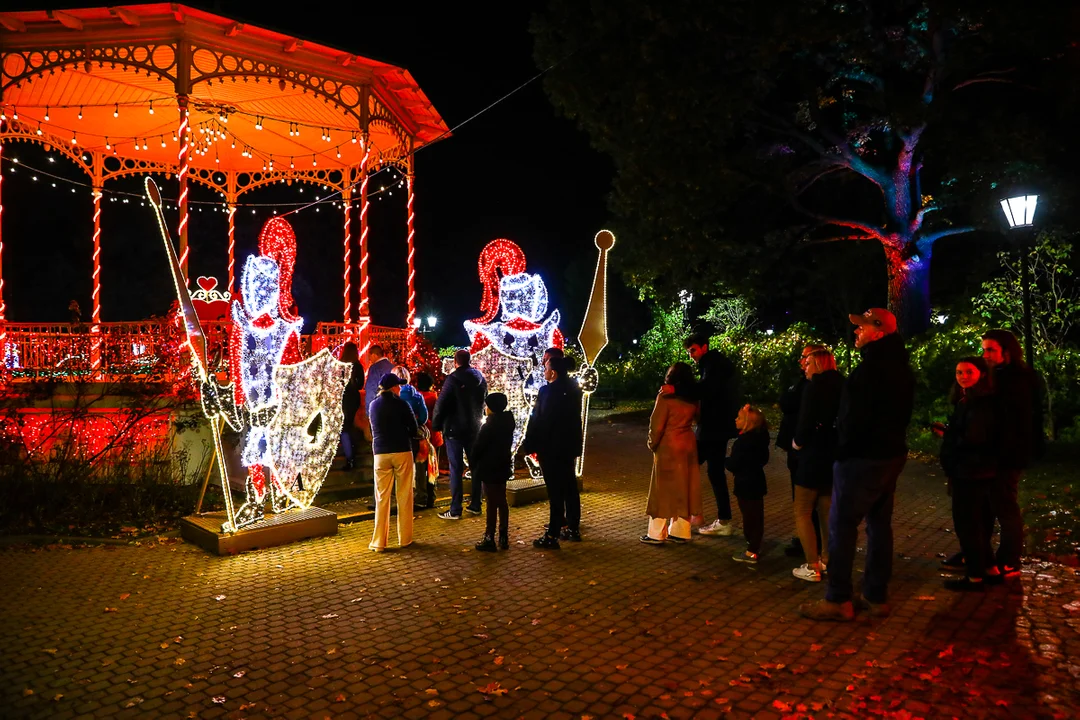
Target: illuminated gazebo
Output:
[(169, 89)]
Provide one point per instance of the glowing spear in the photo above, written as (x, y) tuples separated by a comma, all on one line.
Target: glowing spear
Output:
[(593, 337), (196, 339)]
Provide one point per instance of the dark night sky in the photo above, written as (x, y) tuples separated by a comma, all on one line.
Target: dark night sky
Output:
[(517, 171)]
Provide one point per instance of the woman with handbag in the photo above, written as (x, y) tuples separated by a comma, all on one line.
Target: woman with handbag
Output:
[(352, 406)]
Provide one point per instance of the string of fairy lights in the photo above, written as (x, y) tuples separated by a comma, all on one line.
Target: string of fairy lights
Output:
[(396, 181)]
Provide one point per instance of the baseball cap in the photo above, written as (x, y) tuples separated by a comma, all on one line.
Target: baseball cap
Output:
[(880, 318), (389, 380)]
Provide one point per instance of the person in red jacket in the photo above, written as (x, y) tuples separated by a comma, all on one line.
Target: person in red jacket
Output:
[(427, 468)]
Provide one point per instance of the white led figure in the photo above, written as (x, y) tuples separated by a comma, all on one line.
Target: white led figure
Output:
[(508, 351)]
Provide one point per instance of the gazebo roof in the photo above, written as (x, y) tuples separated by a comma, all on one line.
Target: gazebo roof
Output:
[(107, 80)]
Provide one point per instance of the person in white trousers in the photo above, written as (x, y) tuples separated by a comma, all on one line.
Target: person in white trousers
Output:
[(393, 426)]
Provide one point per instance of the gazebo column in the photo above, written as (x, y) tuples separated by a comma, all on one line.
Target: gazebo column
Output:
[(3, 307), (97, 183), (365, 311), (410, 315), (346, 201), (232, 247), (183, 135)]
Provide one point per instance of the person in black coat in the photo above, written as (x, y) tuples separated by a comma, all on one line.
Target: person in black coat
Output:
[(1018, 403), (875, 409), (970, 459), (749, 456), (815, 441), (350, 403), (718, 393), (790, 401), (457, 416), (555, 435), (492, 461)]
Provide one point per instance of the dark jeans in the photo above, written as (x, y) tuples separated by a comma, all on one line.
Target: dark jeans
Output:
[(424, 492), (563, 499), (496, 506), (862, 488), (753, 521), (347, 445), (456, 452), (714, 467), (1005, 507), (970, 501)]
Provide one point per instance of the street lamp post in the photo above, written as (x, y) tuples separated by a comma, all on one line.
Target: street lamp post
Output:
[(1020, 213)]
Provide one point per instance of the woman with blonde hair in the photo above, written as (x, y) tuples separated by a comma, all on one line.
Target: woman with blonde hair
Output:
[(674, 488), (815, 439), (749, 456)]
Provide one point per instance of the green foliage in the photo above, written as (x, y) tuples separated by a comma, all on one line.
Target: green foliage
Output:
[(767, 363), (642, 371)]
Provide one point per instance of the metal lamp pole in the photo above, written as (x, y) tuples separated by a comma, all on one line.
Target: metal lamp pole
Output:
[(1020, 214)]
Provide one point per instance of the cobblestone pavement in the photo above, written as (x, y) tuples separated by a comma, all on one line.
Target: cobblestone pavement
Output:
[(608, 628)]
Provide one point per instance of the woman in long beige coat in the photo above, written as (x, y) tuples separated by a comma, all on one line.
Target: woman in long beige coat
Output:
[(675, 487)]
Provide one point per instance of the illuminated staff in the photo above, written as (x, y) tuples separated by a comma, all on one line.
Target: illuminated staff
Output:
[(182, 178), (196, 340), (593, 337), (346, 202)]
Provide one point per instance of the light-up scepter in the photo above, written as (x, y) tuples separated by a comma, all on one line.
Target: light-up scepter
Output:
[(593, 337), (196, 339)]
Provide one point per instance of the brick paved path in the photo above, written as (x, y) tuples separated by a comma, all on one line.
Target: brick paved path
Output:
[(605, 628)]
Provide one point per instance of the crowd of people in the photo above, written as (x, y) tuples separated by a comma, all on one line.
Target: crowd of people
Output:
[(845, 441), (846, 444), (408, 423)]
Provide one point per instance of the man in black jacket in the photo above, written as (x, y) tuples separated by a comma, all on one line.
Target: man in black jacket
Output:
[(718, 391), (457, 415), (875, 409), (554, 434)]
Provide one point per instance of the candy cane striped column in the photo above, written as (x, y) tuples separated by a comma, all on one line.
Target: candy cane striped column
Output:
[(364, 311), (95, 352), (232, 248), (3, 307), (346, 201), (410, 316), (182, 178)]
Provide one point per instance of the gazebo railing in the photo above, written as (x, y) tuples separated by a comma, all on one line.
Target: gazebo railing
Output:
[(147, 350)]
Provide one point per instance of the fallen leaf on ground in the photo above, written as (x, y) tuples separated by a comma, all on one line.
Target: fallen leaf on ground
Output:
[(432, 691), (51, 651), (57, 697), (781, 706), (493, 689), (814, 647), (239, 673), (109, 609), (219, 699), (179, 661), (499, 660), (164, 645), (434, 703), (219, 598), (27, 692), (925, 597), (592, 582), (621, 667), (340, 697), (329, 616), (133, 702), (125, 596), (946, 652)]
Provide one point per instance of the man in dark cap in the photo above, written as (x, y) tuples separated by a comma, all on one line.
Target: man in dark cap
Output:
[(393, 427), (875, 409)]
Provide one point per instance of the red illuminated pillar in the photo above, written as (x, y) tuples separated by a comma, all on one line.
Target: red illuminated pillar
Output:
[(364, 310), (183, 134), (95, 349), (346, 201), (410, 316), (232, 247)]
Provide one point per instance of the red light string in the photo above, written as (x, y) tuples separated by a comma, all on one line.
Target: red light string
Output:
[(364, 231), (277, 241), (411, 217), (500, 254)]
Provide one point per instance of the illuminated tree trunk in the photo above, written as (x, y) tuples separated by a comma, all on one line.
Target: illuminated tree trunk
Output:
[(909, 289)]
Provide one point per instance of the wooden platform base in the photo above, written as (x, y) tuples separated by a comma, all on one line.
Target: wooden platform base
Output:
[(288, 527), (527, 491)]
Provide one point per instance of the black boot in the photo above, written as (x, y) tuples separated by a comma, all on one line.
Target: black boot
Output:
[(487, 544), (504, 541)]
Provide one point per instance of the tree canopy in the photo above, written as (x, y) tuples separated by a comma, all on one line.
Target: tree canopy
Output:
[(745, 133)]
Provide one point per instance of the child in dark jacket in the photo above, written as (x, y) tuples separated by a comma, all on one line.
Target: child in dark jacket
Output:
[(491, 462), (749, 455)]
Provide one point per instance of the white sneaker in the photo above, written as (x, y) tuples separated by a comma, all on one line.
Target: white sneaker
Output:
[(716, 527), (709, 529), (807, 572)]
